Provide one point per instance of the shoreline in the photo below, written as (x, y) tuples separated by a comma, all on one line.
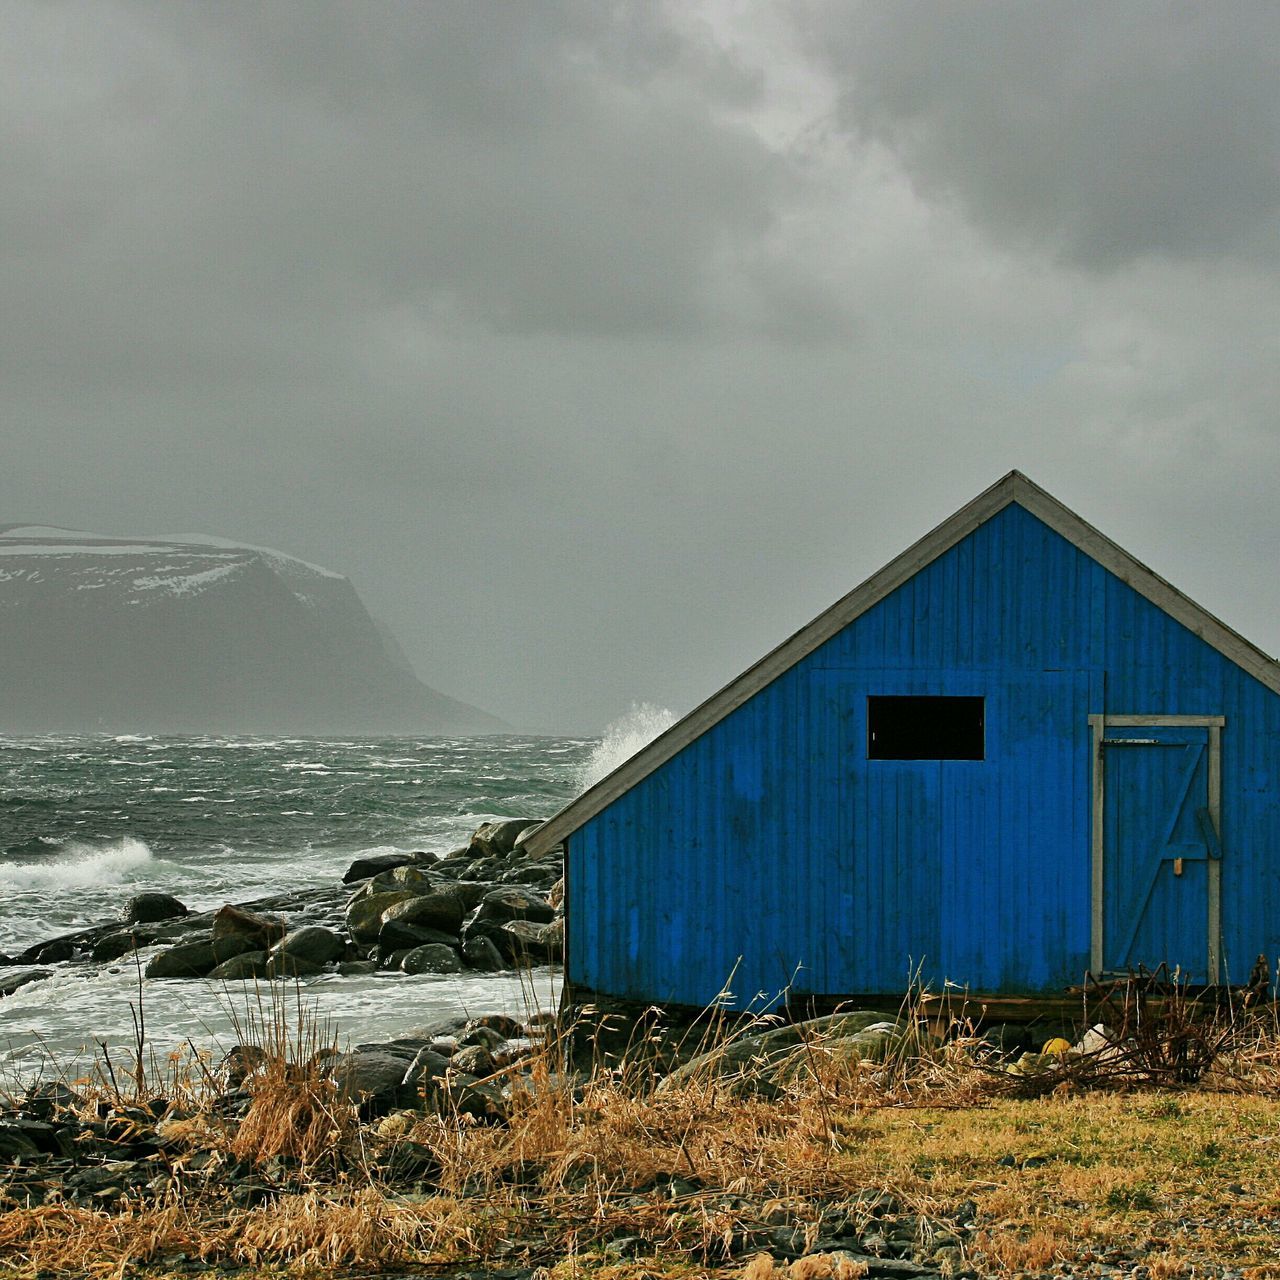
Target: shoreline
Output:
[(478, 912)]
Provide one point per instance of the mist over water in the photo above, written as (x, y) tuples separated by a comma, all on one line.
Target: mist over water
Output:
[(623, 738)]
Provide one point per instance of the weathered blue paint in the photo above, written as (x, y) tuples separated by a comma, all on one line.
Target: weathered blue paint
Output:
[(770, 853)]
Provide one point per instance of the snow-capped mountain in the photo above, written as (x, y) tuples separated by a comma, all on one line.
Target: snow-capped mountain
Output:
[(192, 634)]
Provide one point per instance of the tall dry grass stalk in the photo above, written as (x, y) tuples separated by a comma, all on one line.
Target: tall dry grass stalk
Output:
[(297, 1110), (583, 1159)]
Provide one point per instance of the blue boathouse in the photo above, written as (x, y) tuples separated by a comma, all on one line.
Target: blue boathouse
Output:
[(1012, 756)]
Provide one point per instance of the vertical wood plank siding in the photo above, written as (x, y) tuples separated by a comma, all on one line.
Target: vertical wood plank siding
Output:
[(772, 850)]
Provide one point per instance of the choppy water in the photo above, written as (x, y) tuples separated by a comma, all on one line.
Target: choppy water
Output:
[(87, 821)]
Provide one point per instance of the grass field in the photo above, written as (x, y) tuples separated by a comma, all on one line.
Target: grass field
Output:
[(927, 1157)]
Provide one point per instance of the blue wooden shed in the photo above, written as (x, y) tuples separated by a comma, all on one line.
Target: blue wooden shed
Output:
[(1012, 756)]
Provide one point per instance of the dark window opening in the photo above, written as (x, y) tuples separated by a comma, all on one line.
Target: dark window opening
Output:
[(926, 728)]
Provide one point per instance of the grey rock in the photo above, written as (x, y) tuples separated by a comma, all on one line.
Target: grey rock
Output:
[(396, 1048), (15, 1142), (239, 922), (513, 902), (475, 1060), (773, 1055), (146, 908), (489, 1038), (503, 942), (449, 863), (448, 1025), (373, 1077), (427, 1065), (313, 944), (409, 876), (241, 968), (283, 965), (395, 935), (11, 982), (432, 958), (471, 892), (364, 913), (441, 909), (505, 1025), (197, 959), (56, 952), (375, 864), (524, 835), (499, 838), (480, 952), (466, 1095), (114, 945), (535, 943), (534, 875)]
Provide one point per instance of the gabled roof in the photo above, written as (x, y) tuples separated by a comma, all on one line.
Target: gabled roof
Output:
[(1015, 487)]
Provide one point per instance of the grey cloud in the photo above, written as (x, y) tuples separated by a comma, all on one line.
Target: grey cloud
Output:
[(1103, 131), (526, 167), (572, 333)]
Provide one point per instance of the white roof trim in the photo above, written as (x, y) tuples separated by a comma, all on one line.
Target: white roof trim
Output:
[(1015, 487)]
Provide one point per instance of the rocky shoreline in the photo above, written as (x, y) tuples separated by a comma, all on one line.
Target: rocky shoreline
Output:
[(484, 907), (668, 1163)]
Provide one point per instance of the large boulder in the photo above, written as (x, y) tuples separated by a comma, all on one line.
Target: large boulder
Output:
[(112, 946), (374, 864), (313, 944), (481, 952), (196, 959), (287, 966), (13, 980), (405, 877), (254, 926), (395, 935), (242, 968), (760, 1061), (440, 909), (514, 902), (498, 839), (364, 914), (433, 958), (497, 937), (535, 943), (146, 908), (374, 1077), (525, 834), (426, 1065)]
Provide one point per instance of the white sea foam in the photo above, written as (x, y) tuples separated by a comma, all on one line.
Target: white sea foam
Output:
[(62, 1019), (623, 738), (81, 866)]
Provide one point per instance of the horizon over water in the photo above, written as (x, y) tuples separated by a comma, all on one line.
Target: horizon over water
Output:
[(87, 821)]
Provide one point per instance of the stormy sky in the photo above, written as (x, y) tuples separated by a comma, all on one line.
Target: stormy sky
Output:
[(604, 345)]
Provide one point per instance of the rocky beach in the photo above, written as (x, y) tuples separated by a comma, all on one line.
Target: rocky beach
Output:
[(510, 1148)]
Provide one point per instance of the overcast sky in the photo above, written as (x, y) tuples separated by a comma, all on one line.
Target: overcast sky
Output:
[(603, 346)]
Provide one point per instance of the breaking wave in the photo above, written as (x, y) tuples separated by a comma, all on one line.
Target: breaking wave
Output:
[(80, 866), (623, 738)]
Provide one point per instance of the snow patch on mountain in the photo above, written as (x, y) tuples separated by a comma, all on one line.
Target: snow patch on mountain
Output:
[(185, 584)]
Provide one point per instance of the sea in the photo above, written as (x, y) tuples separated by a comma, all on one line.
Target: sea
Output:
[(88, 821)]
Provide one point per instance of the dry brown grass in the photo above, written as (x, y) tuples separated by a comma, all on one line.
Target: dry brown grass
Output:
[(692, 1171)]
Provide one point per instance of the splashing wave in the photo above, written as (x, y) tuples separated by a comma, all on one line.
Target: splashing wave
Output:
[(81, 865), (623, 738)]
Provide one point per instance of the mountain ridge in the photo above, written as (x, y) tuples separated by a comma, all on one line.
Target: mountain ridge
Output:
[(194, 633)]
